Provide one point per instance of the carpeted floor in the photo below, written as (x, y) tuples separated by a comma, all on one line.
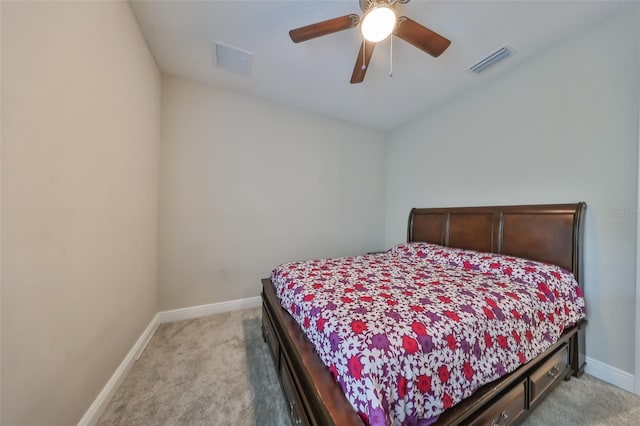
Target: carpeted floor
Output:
[(216, 370), (213, 370)]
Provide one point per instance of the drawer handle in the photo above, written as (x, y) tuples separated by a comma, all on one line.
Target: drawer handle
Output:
[(502, 420), (553, 373), (266, 337)]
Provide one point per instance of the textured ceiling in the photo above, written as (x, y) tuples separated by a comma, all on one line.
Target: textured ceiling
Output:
[(314, 75)]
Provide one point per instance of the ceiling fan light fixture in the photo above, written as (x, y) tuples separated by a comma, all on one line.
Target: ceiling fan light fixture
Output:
[(378, 23), (374, 31)]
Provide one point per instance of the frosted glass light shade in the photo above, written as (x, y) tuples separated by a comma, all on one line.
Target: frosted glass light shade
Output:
[(378, 23)]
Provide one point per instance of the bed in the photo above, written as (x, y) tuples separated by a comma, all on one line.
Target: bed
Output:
[(543, 233)]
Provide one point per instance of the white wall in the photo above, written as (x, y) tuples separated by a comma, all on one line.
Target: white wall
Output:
[(247, 185), (80, 153), (562, 127)]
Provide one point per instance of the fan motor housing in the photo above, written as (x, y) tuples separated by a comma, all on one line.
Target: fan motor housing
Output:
[(367, 4)]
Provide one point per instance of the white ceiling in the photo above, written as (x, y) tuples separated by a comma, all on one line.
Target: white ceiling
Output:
[(314, 75)]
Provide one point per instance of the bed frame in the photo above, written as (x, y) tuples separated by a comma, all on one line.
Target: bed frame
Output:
[(547, 233)]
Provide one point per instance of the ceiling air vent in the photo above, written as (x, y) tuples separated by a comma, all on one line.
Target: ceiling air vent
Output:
[(232, 59), (492, 59)]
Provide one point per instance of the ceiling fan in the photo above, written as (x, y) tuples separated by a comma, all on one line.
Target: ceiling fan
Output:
[(379, 20)]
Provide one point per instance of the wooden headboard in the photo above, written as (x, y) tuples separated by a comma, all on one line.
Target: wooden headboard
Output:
[(547, 233)]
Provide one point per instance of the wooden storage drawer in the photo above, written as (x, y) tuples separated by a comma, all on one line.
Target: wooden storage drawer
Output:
[(296, 410), (507, 409), (270, 336), (551, 371)]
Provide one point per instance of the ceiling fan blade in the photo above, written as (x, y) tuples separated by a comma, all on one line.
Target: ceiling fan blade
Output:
[(362, 64), (323, 28), (421, 37)]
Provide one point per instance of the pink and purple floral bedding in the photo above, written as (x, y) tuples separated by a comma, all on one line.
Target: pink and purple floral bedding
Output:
[(411, 332)]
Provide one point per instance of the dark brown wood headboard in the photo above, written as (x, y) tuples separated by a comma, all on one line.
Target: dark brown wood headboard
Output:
[(547, 233)]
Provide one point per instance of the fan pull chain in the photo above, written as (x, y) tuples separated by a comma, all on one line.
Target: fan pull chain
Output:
[(391, 56), (364, 47)]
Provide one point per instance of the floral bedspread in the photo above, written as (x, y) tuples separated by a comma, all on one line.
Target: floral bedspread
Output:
[(411, 332)]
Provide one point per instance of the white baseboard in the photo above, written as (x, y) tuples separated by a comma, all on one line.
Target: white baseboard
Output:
[(210, 309), (609, 374), (104, 397)]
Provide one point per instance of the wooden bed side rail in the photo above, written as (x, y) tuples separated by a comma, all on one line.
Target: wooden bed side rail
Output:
[(463, 412), (321, 395)]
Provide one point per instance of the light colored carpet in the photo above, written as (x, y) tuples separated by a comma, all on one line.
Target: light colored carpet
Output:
[(587, 401), (216, 370)]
